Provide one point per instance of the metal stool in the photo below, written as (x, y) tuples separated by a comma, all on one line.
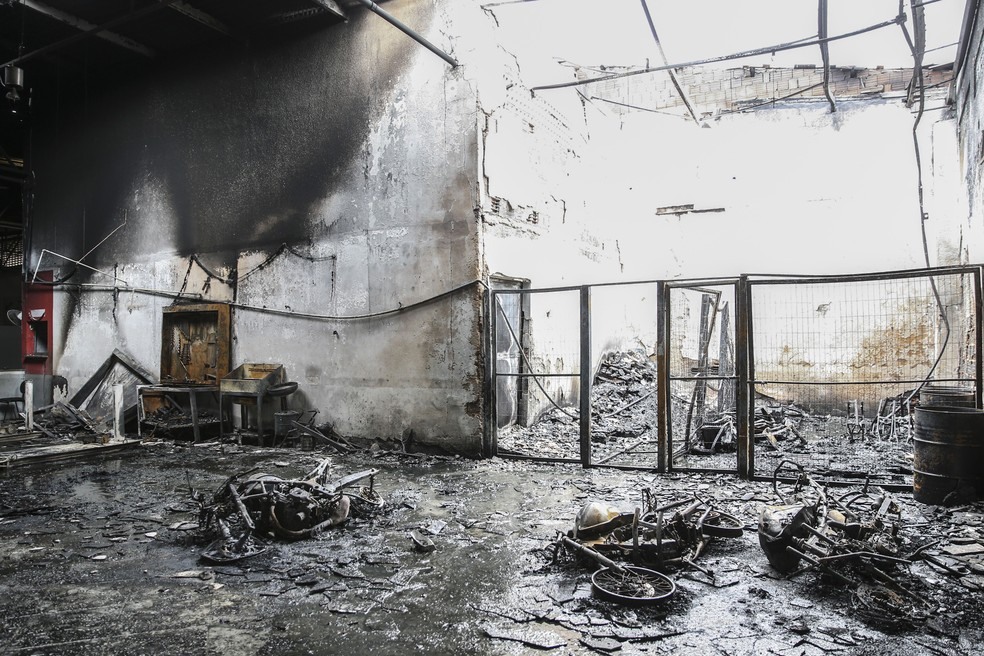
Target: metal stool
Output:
[(281, 391)]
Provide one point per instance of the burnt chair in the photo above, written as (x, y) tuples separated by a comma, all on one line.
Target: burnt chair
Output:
[(9, 405)]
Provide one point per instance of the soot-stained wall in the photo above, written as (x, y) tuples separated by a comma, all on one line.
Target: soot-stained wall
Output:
[(353, 145), (969, 112)]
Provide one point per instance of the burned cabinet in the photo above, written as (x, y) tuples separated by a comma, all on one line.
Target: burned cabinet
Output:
[(196, 344)]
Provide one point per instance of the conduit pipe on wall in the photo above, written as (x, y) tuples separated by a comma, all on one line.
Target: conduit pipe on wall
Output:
[(398, 24)]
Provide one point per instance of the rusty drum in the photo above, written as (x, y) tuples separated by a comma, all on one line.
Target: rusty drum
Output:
[(948, 458), (952, 396)]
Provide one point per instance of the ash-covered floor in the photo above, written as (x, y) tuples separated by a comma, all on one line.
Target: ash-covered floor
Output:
[(95, 561)]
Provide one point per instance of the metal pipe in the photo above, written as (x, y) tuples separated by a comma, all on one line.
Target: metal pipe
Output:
[(29, 405), (586, 377), (591, 553), (398, 24), (978, 340), (234, 493), (673, 76), (664, 460), (96, 30), (745, 371)]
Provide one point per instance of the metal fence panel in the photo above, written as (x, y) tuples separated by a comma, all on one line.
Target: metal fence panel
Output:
[(701, 363), (837, 363), (536, 373), (624, 429), (732, 375)]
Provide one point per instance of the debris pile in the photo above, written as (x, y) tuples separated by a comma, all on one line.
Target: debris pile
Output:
[(718, 434), (777, 423), (623, 382), (892, 420), (172, 421), (63, 421), (857, 540), (250, 508), (655, 538), (623, 403)]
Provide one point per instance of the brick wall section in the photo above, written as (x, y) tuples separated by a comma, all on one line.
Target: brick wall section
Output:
[(713, 91)]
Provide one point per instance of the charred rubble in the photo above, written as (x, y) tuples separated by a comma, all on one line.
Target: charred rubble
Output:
[(860, 542), (252, 508)]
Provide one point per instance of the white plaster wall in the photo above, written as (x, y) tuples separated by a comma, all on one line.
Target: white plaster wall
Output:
[(801, 191), (795, 190), (541, 215)]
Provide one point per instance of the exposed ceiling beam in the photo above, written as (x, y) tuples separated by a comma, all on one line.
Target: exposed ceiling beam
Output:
[(86, 26), (331, 7), (293, 16), (319, 9), (205, 19), (95, 31)]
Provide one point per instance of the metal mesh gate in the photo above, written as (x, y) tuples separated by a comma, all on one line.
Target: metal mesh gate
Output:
[(836, 364), (536, 373), (701, 375), (733, 375), (624, 428)]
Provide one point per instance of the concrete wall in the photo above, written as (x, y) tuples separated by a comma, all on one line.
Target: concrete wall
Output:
[(543, 214), (970, 144), (353, 145), (714, 90)]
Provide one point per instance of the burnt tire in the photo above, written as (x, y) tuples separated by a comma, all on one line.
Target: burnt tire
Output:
[(722, 525)]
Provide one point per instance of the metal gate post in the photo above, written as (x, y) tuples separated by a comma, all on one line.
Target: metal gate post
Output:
[(585, 374), (978, 320), (489, 441), (744, 368), (662, 377)]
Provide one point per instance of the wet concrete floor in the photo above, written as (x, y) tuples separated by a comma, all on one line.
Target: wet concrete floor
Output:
[(93, 561)]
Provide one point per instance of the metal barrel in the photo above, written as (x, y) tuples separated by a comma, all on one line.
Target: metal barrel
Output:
[(948, 454), (945, 395)]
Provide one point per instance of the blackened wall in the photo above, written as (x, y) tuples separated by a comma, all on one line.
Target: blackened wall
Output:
[(352, 144), (246, 141)]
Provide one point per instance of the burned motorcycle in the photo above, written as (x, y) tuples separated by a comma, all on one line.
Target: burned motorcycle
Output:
[(251, 507), (655, 538), (852, 539)]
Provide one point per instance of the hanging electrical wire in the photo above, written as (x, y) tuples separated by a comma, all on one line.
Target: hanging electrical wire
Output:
[(637, 107), (233, 280), (522, 354), (917, 47), (824, 51), (772, 101)]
